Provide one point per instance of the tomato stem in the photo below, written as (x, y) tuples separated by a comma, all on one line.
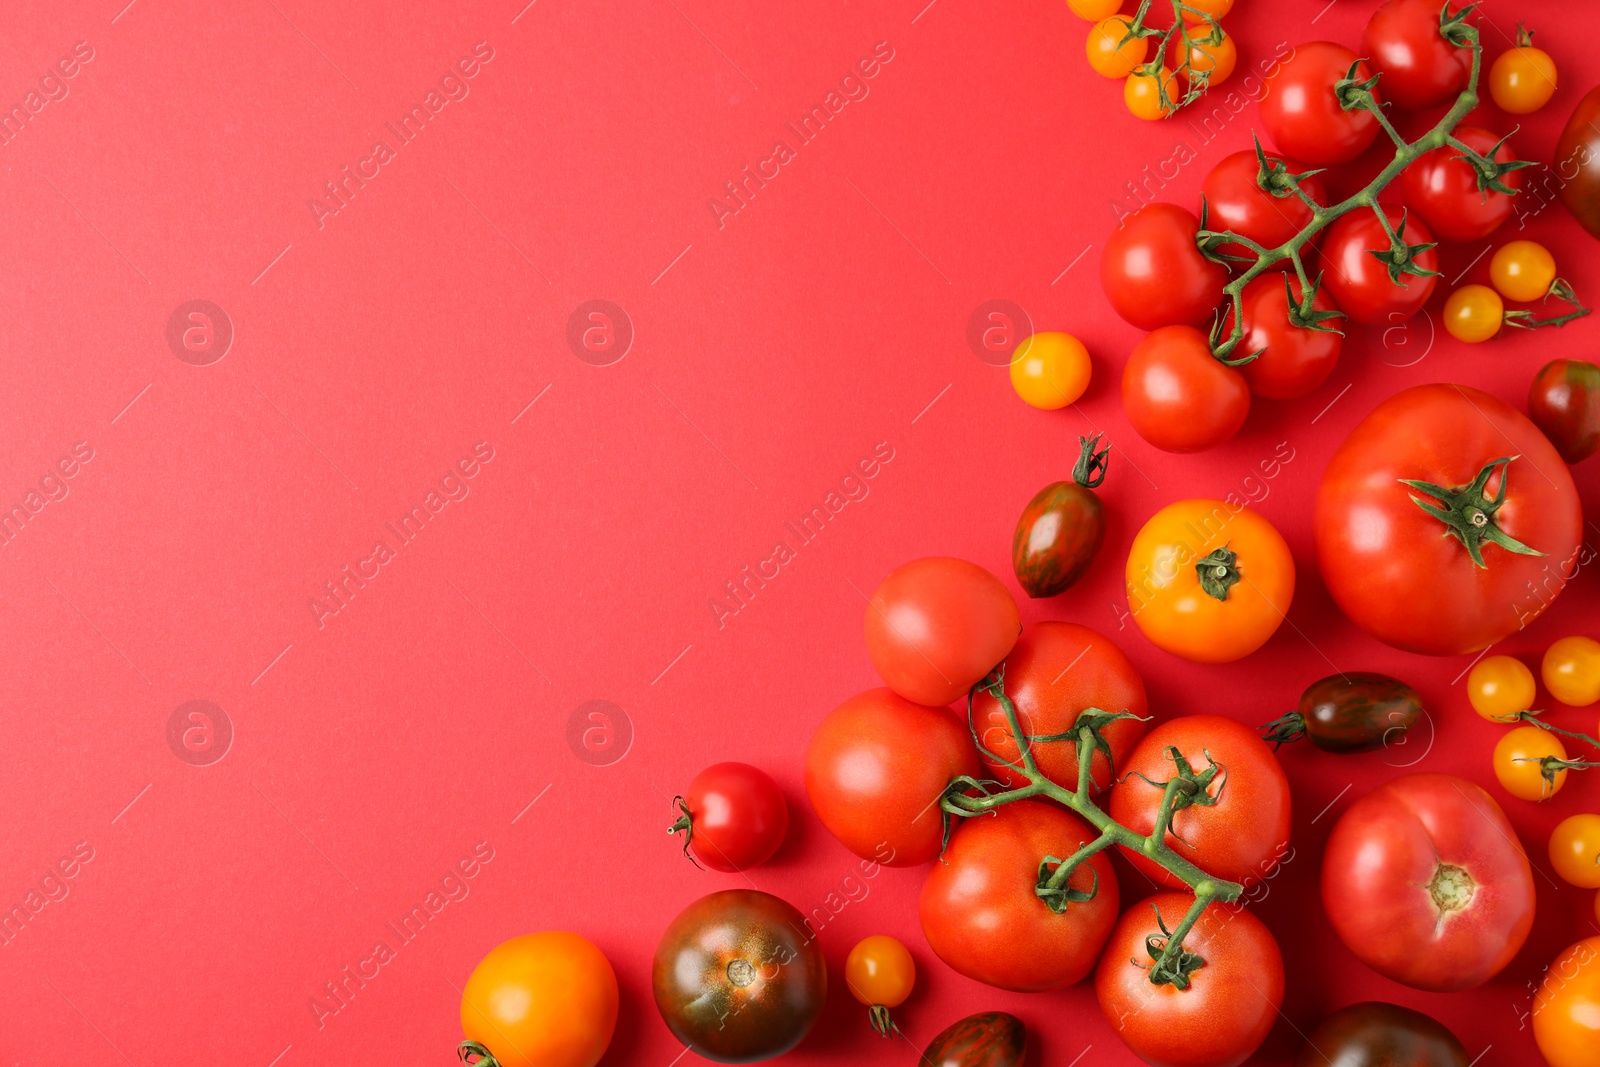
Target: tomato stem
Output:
[(684, 825), (1532, 719), (469, 1049)]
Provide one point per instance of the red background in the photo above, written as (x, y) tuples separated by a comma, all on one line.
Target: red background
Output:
[(374, 750)]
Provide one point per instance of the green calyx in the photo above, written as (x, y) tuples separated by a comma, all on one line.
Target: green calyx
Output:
[(1401, 257), (1456, 29), (1305, 314), (1284, 730), (1274, 176), (881, 1022), (475, 1055), (685, 826), (1490, 171), (1090, 470), (1057, 893), (1218, 572), (1172, 968), (1354, 93), (1468, 513)]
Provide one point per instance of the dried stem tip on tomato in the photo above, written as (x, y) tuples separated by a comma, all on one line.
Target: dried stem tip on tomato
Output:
[(1060, 531)]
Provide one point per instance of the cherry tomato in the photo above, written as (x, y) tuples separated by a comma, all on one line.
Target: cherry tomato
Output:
[(1094, 10), (1153, 272), (1577, 162), (1242, 832), (1442, 190), (1575, 850), (1215, 8), (1350, 713), (1050, 370), (1564, 402), (880, 974), (1473, 313), (1420, 68), (988, 1039), (1180, 397), (1215, 61), (1209, 581), (1517, 763), (1424, 880), (982, 916), (1108, 55), (1522, 79), (1374, 1034), (1302, 113), (877, 765), (1233, 997), (733, 818), (1359, 283), (1500, 686), (1142, 93), (541, 1000), (1571, 671), (1236, 201), (1059, 532), (737, 979), (1291, 360), (1566, 1010), (1523, 271), (937, 625)]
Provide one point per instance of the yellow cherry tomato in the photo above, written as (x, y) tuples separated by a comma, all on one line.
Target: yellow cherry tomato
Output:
[(1108, 55), (542, 1000), (1143, 97), (1215, 8), (1571, 671), (1474, 313), (1523, 271), (1216, 61), (880, 974), (1566, 1011), (1499, 687), (1523, 79), (1094, 10), (1050, 369), (1516, 763), (1575, 850)]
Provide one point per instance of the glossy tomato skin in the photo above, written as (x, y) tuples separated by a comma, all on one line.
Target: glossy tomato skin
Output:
[(738, 815), (937, 625), (1057, 537), (1358, 711), (737, 979), (1244, 835), (542, 1000), (1359, 283), (1234, 201), (1383, 558), (1442, 190), (1423, 879), (1230, 1005), (980, 912), (1292, 360), (1153, 273), (876, 764), (1178, 396), (988, 1039), (1419, 68), (1564, 402), (1375, 1034), (1302, 114), (1566, 1010), (1577, 162)]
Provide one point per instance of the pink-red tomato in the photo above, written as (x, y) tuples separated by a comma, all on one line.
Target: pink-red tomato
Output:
[(1302, 113), (1153, 273), (1419, 68), (1235, 201), (1291, 360), (1180, 397), (935, 626), (733, 817), (1441, 188), (1359, 283)]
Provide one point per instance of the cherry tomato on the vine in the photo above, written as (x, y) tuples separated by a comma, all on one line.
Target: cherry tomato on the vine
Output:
[(1302, 112), (542, 1000), (733, 817), (1180, 397), (1215, 61), (1359, 282), (1523, 271), (1500, 686), (1566, 1010), (1571, 670), (1109, 55), (1050, 369), (937, 625), (1442, 188), (880, 974), (1142, 93), (1473, 313), (1575, 850), (1094, 10), (1290, 360), (1518, 763), (1235, 201), (1215, 8), (1420, 68), (1564, 402), (1522, 79), (1153, 273)]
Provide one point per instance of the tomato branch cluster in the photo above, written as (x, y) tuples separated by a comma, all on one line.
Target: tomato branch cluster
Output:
[(1185, 20)]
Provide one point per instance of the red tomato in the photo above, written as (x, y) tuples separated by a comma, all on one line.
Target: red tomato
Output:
[(1292, 360), (1442, 190), (1178, 395), (1424, 880), (1390, 565), (1359, 283), (875, 769), (733, 818), (1234, 201), (1302, 113), (1058, 670), (981, 915), (1153, 272), (1242, 835), (1420, 68), (936, 626), (1232, 1000)]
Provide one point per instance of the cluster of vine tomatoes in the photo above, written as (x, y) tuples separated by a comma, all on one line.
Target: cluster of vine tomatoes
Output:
[(1194, 54)]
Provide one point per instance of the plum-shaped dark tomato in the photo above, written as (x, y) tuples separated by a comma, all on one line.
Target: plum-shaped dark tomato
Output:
[(1350, 713), (1061, 528), (1577, 161), (736, 979), (989, 1039), (1564, 402), (1375, 1034)]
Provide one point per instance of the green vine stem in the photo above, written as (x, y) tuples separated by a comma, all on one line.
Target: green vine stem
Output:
[(1550, 766), (967, 797), (475, 1055), (1197, 82), (1532, 719)]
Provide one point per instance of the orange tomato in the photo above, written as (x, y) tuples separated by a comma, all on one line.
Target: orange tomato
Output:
[(1566, 1011), (1216, 61), (1517, 763), (1523, 79), (1499, 687), (1215, 8), (1575, 850), (1050, 369), (542, 1000), (1108, 55), (1143, 97), (880, 974), (1571, 670)]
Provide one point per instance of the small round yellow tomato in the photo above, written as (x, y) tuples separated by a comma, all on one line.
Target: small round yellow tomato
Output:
[(1050, 369), (1575, 850), (1571, 671), (880, 974), (1517, 763), (1143, 97), (1094, 10), (542, 1000), (1566, 1011), (1215, 8), (1473, 313), (1523, 271), (1215, 61), (1499, 687), (1523, 79), (1108, 54)]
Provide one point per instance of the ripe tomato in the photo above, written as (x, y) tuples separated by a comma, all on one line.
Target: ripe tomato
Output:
[(1571, 671), (1360, 284), (1350, 713), (1242, 833), (1517, 763), (1375, 1034), (541, 1000), (1108, 55), (1564, 402), (736, 979), (1232, 1000), (1050, 370), (1291, 360), (1215, 61), (1577, 162), (1094, 10), (1566, 1011), (988, 1039), (1153, 272), (1523, 271), (1420, 68), (875, 769), (1215, 8), (1059, 532), (733, 818), (880, 974), (1302, 113), (1235, 201), (1142, 93), (1473, 313), (1441, 188), (935, 626), (1056, 672), (1383, 557), (1575, 850), (1208, 581), (1499, 687), (1522, 79), (1180, 397), (982, 916), (1424, 880)]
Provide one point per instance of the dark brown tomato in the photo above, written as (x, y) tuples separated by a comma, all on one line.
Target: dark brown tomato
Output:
[(1564, 402), (1577, 162), (988, 1039), (1061, 528), (1375, 1034), (1350, 713)]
